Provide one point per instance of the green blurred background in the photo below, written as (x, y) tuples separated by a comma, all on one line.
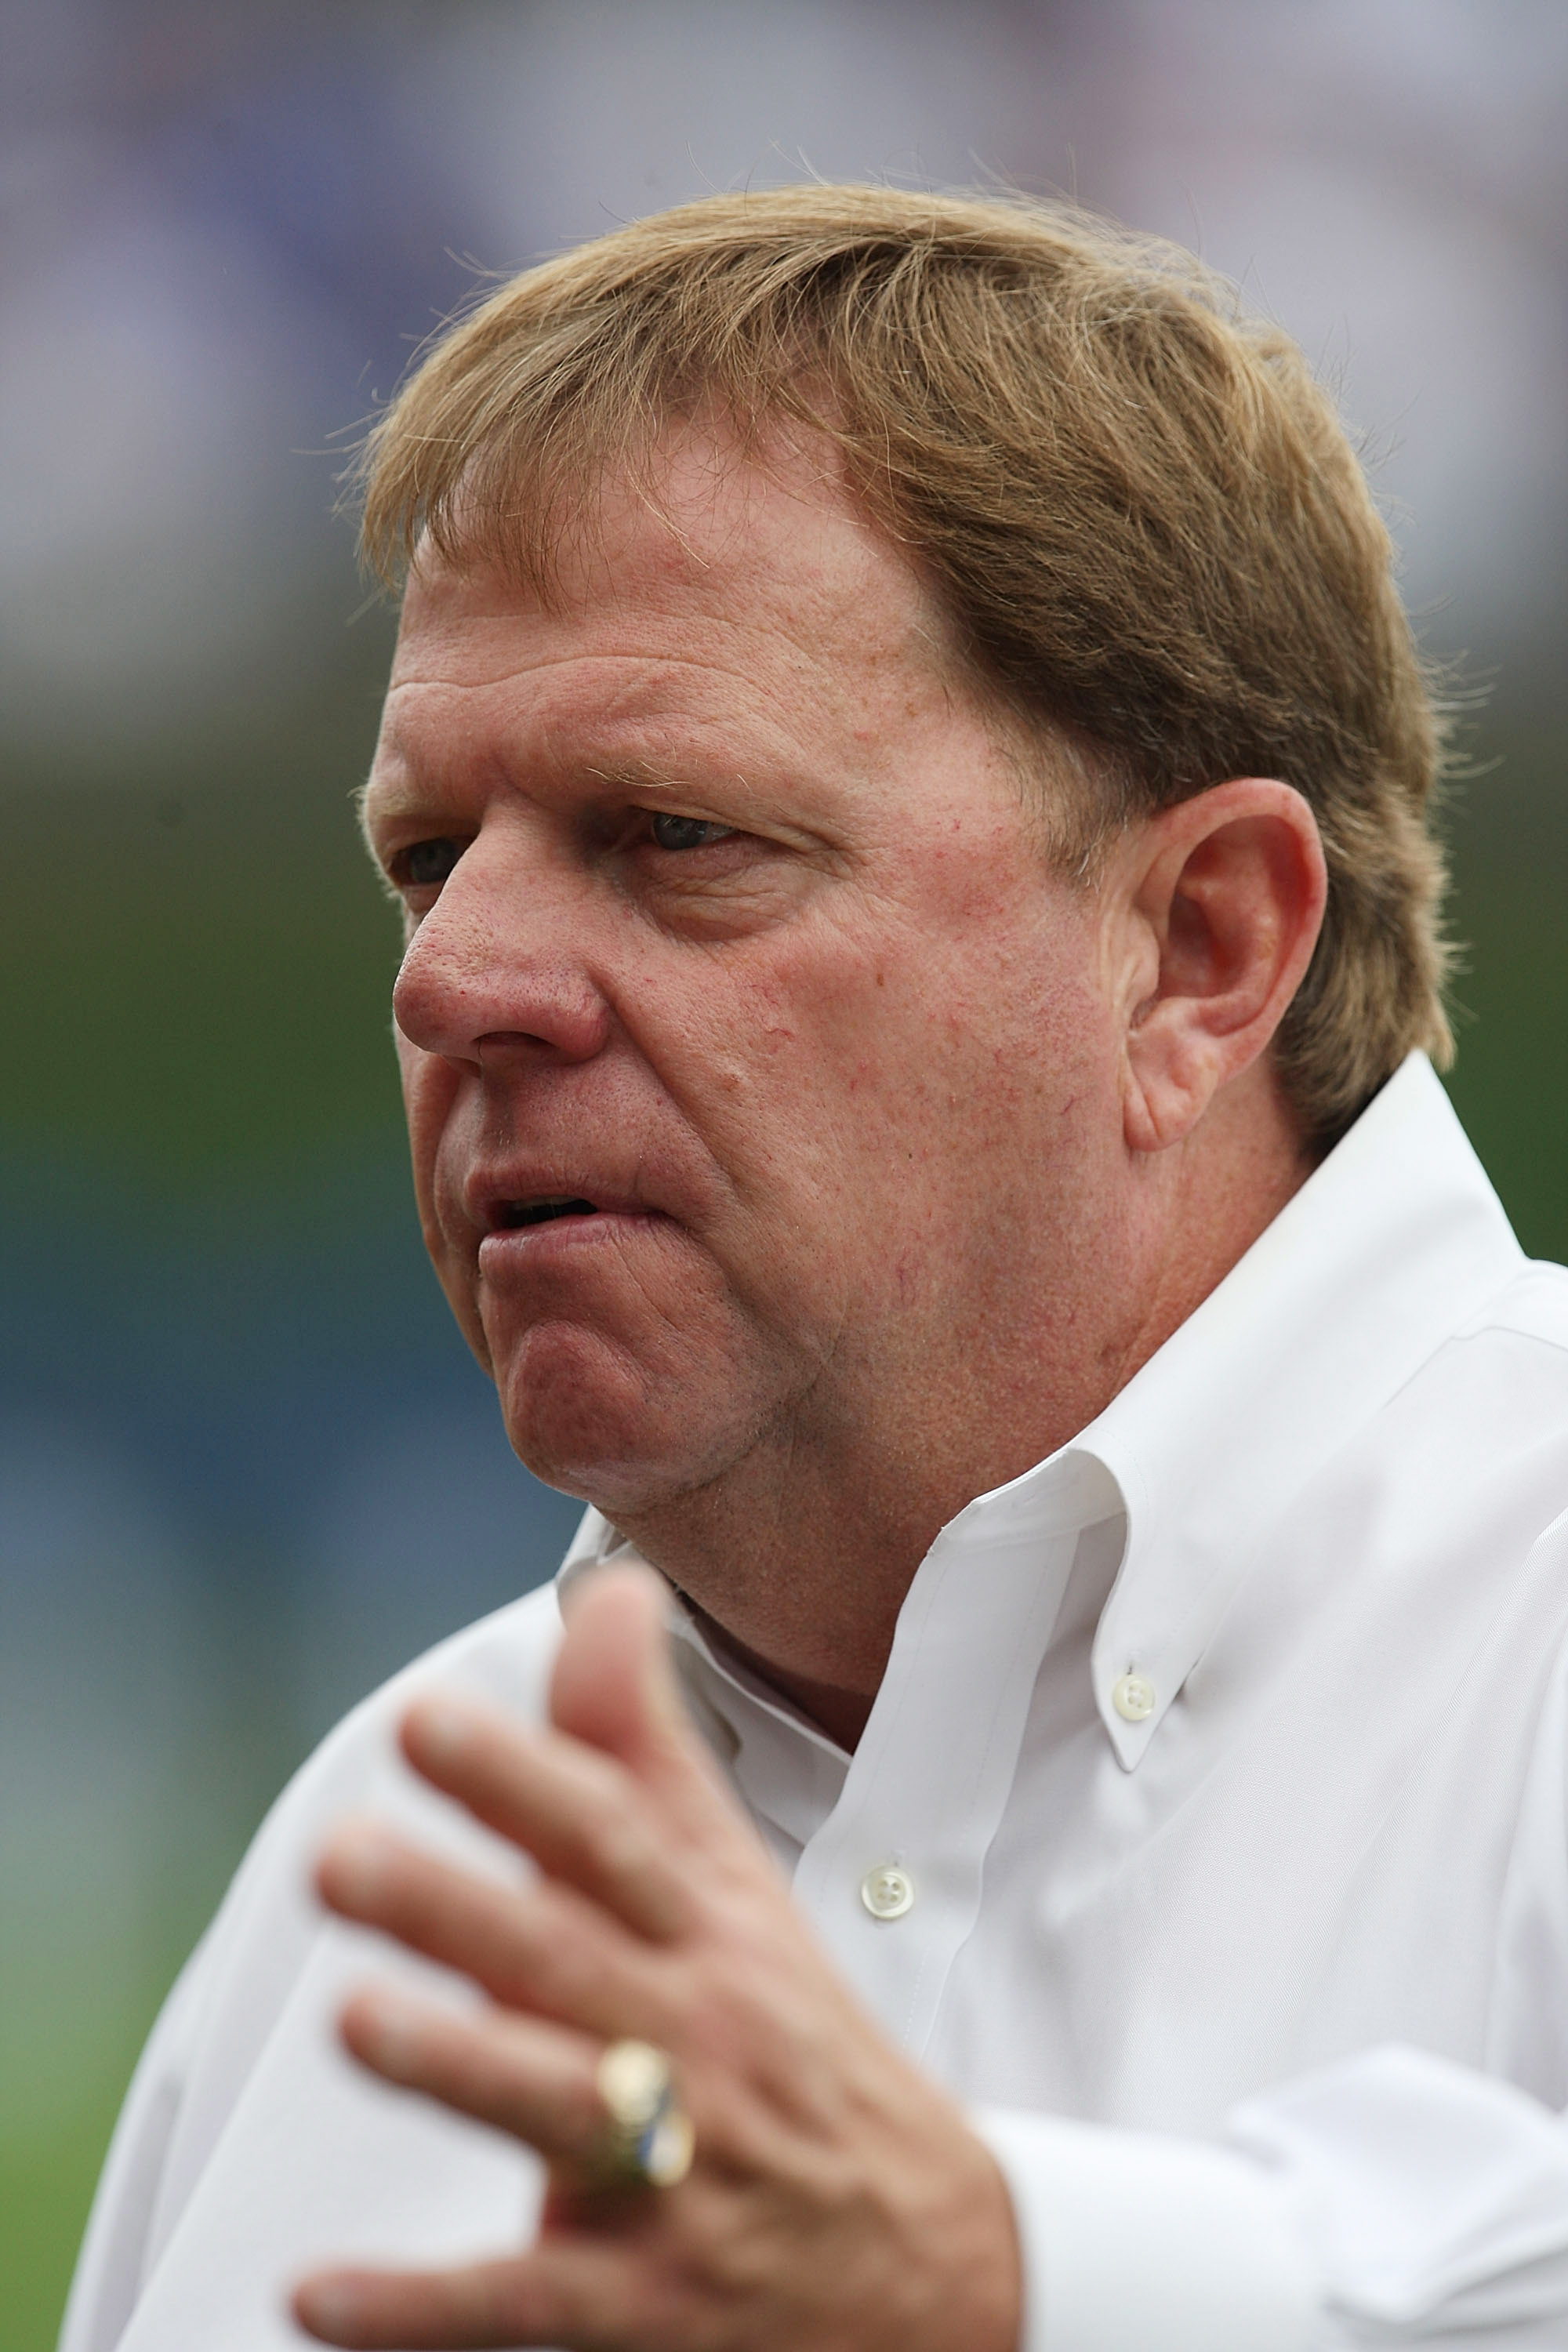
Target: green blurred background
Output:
[(246, 1468)]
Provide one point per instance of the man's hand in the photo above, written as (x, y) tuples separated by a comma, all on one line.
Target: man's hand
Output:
[(838, 2200)]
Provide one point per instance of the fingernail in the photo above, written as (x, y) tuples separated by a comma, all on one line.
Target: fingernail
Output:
[(392, 2030), (356, 1863), (332, 2307), (443, 1729)]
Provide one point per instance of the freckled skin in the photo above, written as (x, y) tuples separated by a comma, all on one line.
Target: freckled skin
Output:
[(864, 1056)]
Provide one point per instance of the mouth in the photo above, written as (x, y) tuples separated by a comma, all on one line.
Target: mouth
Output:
[(541, 1210)]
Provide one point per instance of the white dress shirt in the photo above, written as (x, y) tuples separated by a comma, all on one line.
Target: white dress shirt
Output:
[(1208, 1838)]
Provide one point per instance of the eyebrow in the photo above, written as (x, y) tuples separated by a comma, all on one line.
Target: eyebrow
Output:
[(635, 776), (623, 775), (389, 799)]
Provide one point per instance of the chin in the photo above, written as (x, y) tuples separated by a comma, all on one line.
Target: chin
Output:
[(587, 1417)]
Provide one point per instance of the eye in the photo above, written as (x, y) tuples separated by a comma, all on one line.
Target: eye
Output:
[(685, 832), (426, 865)]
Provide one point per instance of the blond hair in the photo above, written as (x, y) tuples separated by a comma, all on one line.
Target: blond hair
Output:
[(1139, 511)]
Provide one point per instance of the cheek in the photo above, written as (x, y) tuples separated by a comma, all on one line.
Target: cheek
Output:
[(820, 1085), (917, 1043), (429, 1091), (919, 1095)]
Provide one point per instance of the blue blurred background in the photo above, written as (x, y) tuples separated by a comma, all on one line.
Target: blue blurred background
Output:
[(245, 1467)]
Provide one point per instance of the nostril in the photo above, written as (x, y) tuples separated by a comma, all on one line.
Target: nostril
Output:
[(504, 1041)]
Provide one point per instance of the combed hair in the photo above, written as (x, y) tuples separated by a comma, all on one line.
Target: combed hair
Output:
[(1138, 511)]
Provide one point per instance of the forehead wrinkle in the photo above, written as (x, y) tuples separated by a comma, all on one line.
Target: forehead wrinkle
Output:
[(412, 756), (808, 650), (663, 656), (803, 613), (419, 733)]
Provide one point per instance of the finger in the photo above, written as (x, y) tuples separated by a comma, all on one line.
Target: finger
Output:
[(407, 2311), (538, 2081), (542, 1947), (613, 1687), (579, 1812), (581, 2295)]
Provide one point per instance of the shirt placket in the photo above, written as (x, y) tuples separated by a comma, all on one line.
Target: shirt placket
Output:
[(891, 1881)]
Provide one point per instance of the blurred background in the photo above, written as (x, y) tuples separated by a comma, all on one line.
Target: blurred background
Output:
[(245, 1467)]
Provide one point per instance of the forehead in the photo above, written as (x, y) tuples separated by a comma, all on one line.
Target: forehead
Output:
[(716, 576)]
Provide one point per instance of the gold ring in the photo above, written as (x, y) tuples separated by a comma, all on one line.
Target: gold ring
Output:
[(648, 2140)]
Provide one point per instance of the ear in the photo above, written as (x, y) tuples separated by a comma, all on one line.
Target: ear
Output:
[(1216, 907)]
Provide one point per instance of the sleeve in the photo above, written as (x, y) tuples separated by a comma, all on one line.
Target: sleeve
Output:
[(1398, 2201), (1131, 2240), (109, 2268)]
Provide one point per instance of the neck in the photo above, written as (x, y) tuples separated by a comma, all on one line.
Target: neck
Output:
[(841, 1713), (798, 1560)]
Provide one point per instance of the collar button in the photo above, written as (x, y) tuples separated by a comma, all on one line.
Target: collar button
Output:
[(1134, 1698)]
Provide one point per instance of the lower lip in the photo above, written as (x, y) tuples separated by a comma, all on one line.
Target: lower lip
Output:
[(511, 1245)]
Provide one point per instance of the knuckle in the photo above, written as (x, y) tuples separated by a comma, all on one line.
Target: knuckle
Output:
[(552, 1960), (611, 1845)]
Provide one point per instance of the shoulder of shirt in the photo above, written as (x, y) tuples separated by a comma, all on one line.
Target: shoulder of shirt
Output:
[(1531, 1304), (505, 1657), (268, 1922), (1531, 1307), (219, 2022)]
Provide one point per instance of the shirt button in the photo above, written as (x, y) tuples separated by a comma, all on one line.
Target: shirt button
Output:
[(887, 1892), (1134, 1698)]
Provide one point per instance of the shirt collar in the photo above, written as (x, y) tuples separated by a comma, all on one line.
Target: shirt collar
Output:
[(1386, 1249), (787, 1768)]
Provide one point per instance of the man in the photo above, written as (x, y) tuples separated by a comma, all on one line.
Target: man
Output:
[(906, 778)]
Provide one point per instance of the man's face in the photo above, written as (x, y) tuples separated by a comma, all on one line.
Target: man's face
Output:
[(755, 1069)]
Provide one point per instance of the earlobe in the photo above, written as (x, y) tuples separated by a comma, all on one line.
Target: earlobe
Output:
[(1141, 1128), (1227, 893)]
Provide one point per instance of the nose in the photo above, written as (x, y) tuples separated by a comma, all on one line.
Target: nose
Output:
[(496, 963)]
